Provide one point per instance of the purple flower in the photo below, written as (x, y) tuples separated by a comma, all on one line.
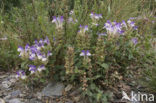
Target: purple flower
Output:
[(27, 47), (32, 56), (58, 21), (33, 49), (39, 55), (36, 42), (85, 53), (44, 58), (40, 68), (95, 16), (108, 24), (49, 54), (41, 41), (121, 31), (131, 24), (47, 41), (124, 24), (39, 46), (32, 69), (21, 74), (20, 49), (113, 28), (134, 40), (32, 53), (135, 27), (54, 39), (71, 12), (83, 29)]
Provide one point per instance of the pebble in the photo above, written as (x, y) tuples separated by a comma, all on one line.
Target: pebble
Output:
[(15, 100), (68, 88), (15, 93), (39, 95), (2, 101), (53, 89), (34, 101), (6, 84)]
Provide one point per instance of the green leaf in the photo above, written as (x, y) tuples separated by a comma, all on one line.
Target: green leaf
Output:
[(99, 95), (42, 80), (95, 77), (104, 65)]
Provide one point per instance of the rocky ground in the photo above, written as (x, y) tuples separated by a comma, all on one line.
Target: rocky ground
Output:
[(13, 91)]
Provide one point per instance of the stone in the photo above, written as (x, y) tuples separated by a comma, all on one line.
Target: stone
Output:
[(7, 97), (53, 89), (5, 93), (29, 96), (38, 95), (77, 98), (12, 76), (34, 101), (75, 92), (13, 80), (22, 95), (15, 100), (68, 88), (3, 76), (69, 101), (6, 84), (2, 101), (1, 94), (15, 93)]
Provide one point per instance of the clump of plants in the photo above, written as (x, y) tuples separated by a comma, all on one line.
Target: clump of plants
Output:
[(96, 56), (35, 59)]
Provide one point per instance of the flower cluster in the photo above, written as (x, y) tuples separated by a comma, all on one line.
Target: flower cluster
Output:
[(116, 28), (37, 54), (21, 74), (85, 53), (58, 21), (131, 24), (33, 68), (113, 28), (34, 52), (83, 29), (95, 17)]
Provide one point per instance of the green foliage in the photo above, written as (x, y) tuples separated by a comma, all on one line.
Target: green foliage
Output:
[(8, 47), (149, 77), (7, 5)]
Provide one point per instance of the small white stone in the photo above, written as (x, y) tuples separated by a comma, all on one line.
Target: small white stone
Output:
[(2, 101), (6, 84)]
